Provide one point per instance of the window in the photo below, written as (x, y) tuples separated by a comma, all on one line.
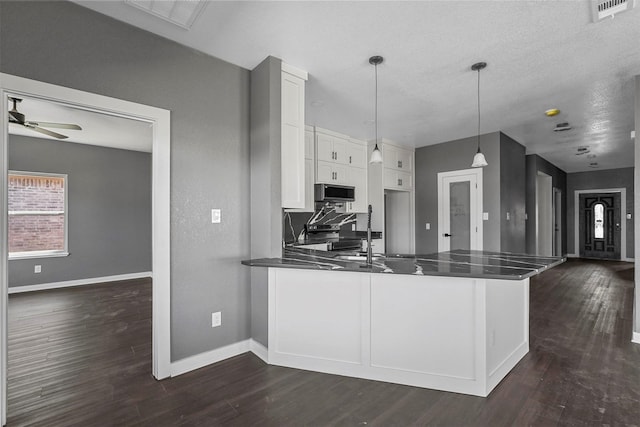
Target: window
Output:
[(598, 215), (37, 214)]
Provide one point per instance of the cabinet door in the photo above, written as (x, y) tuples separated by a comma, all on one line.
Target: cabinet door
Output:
[(324, 172), (324, 148), (341, 175), (404, 181), (292, 142), (357, 155), (340, 151), (390, 178), (389, 156), (404, 160), (358, 178)]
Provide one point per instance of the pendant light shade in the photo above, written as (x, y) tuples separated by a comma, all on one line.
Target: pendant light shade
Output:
[(479, 160), (376, 155)]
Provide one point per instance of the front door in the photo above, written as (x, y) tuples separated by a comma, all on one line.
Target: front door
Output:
[(600, 225), (460, 210)]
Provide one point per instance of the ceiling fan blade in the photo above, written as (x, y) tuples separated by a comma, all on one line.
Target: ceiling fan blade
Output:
[(46, 132), (55, 125)]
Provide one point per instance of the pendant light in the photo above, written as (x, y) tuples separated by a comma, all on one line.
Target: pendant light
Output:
[(479, 160), (376, 155)]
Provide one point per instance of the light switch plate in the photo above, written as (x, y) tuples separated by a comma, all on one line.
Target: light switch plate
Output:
[(427, 226), (628, 216), (216, 216), (485, 216)]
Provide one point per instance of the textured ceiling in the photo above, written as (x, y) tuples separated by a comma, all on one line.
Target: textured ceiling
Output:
[(540, 54)]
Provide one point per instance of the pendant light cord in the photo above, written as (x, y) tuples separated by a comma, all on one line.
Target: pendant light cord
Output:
[(478, 109), (376, 104)]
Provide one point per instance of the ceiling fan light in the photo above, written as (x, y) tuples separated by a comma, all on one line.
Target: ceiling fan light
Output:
[(376, 155), (479, 161)]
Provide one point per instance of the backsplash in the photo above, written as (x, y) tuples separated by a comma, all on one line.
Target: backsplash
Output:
[(294, 222)]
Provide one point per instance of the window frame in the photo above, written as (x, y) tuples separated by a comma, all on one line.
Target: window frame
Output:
[(51, 252)]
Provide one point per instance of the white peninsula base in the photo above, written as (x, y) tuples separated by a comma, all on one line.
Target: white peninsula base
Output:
[(447, 333)]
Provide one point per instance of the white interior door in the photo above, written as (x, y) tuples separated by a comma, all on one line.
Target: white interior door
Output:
[(460, 210), (544, 217)]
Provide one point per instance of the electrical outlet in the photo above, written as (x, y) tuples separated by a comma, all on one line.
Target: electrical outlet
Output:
[(216, 216), (427, 226), (37, 269), (508, 216), (216, 319)]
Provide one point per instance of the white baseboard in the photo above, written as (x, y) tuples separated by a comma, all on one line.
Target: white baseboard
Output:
[(207, 358), (636, 338), (578, 256), (572, 256), (259, 350), (79, 282), (629, 260)]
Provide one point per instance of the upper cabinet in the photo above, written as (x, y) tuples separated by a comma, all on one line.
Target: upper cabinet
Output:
[(293, 137), (398, 167), (342, 160)]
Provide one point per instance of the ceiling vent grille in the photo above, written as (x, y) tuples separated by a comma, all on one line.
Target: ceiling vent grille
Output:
[(182, 13), (602, 9)]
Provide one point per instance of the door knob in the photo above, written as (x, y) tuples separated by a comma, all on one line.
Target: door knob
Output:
[(447, 235)]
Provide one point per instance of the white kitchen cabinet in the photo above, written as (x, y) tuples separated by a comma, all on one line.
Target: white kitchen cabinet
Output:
[(397, 158), (357, 153), (293, 138), (331, 173), (331, 148), (397, 180)]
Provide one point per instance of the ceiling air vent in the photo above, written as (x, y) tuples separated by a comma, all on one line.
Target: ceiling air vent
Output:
[(182, 13), (561, 127), (602, 9)]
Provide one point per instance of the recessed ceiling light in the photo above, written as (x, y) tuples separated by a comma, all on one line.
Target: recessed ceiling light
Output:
[(552, 112)]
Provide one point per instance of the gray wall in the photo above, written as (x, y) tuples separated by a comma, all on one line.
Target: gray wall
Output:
[(266, 212), (512, 195), (535, 163), (612, 178), (451, 156), (208, 98), (109, 209)]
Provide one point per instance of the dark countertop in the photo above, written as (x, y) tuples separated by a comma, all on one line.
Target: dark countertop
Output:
[(458, 263)]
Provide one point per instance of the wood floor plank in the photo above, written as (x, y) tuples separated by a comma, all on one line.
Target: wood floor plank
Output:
[(82, 356)]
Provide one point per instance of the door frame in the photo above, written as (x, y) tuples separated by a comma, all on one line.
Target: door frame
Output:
[(479, 203), (544, 214), (160, 121), (623, 219), (557, 221)]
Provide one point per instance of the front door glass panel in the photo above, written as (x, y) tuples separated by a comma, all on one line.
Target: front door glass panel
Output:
[(598, 217), (460, 214)]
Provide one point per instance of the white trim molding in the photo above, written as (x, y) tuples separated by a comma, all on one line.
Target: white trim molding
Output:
[(259, 350), (636, 338), (201, 360), (623, 218), (78, 282)]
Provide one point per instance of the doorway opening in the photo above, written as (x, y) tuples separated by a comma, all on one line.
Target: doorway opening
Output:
[(13, 86), (557, 222), (544, 215)]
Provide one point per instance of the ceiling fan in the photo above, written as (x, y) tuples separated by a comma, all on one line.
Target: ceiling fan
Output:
[(18, 118)]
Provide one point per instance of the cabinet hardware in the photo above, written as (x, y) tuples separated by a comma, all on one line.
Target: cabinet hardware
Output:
[(447, 235), (349, 159), (400, 164)]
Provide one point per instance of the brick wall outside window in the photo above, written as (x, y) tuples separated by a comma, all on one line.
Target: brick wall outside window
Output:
[(36, 213)]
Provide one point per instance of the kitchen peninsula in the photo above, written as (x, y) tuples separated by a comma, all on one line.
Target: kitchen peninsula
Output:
[(454, 321)]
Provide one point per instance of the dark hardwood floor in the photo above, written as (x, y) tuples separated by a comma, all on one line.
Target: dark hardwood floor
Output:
[(82, 356)]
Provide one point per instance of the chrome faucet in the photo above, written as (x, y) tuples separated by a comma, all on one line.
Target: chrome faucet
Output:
[(369, 248)]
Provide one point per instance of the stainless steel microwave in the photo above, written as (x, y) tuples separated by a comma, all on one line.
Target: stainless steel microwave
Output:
[(334, 193)]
